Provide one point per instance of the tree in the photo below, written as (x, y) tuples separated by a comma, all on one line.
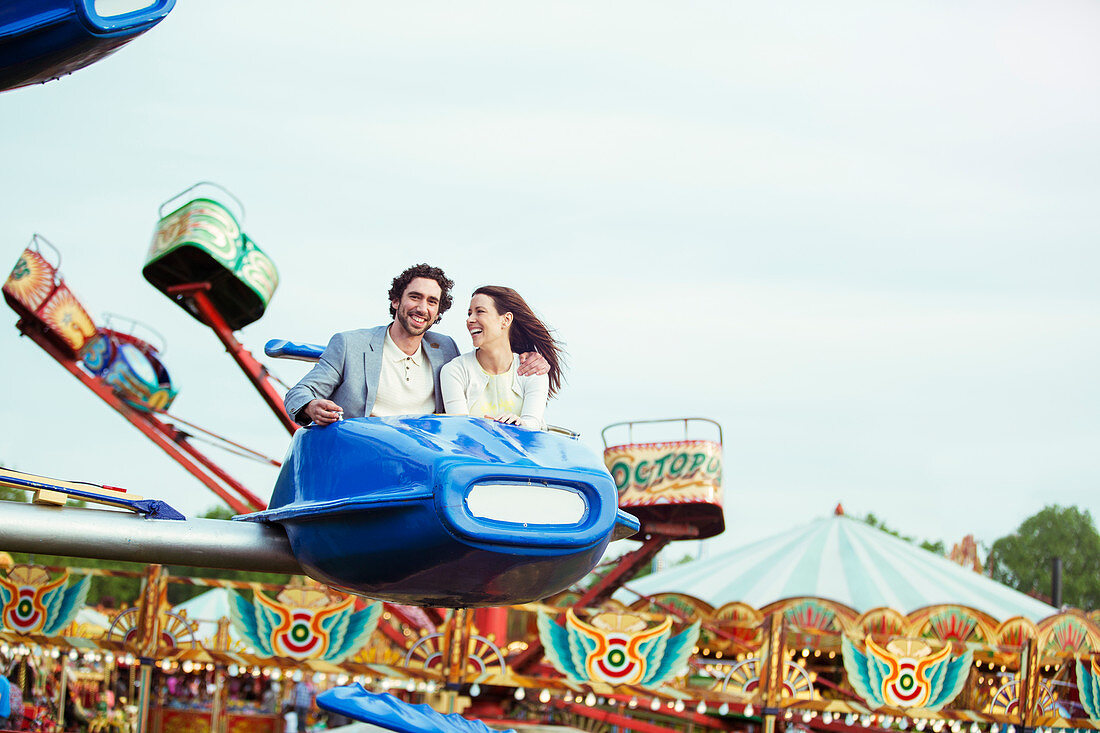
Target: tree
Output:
[(936, 547), (1022, 560), (9, 494)]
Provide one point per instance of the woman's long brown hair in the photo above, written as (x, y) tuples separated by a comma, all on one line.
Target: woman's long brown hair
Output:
[(528, 333)]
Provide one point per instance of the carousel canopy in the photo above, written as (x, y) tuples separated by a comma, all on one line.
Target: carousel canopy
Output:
[(839, 559), (207, 609)]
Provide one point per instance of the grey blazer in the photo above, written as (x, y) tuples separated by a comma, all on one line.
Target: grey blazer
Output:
[(348, 372)]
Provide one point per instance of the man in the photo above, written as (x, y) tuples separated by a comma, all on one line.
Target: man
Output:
[(303, 701), (15, 703), (392, 369)]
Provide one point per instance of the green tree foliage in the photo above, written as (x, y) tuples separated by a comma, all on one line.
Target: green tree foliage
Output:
[(1022, 560), (936, 546), (7, 494)]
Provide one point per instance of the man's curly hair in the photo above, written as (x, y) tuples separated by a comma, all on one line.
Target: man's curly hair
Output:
[(397, 288)]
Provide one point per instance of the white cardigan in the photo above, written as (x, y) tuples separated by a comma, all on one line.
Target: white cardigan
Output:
[(463, 381)]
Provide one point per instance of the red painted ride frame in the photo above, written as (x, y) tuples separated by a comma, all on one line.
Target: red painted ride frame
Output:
[(166, 437), (254, 370)]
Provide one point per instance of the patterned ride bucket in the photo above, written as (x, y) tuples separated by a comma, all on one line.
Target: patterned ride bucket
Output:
[(677, 482), (202, 242), (36, 292), (130, 367)]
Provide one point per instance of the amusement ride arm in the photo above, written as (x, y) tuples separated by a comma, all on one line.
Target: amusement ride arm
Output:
[(254, 370)]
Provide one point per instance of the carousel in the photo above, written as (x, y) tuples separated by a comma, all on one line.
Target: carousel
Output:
[(483, 593)]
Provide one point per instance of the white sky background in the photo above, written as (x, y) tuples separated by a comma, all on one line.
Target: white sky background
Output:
[(862, 236)]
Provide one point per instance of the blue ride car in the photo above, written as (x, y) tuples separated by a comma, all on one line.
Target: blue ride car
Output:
[(444, 511)]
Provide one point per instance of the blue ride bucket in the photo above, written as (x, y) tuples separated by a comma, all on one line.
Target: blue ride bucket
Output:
[(444, 511)]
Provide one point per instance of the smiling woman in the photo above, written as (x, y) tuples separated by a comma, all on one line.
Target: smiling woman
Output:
[(486, 382)]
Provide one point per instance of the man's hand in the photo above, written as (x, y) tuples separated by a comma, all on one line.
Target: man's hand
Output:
[(323, 412), (531, 363)]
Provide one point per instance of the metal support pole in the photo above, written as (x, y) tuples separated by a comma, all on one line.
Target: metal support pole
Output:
[(144, 694), (1029, 671), (772, 677), (63, 687), (1056, 582), (217, 709), (111, 535)]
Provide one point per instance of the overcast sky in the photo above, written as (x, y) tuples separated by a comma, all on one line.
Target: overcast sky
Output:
[(860, 235)]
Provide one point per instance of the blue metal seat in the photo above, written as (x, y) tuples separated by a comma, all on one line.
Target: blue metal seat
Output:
[(42, 40)]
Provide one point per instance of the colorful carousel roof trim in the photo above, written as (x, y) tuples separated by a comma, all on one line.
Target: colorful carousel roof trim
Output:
[(789, 656)]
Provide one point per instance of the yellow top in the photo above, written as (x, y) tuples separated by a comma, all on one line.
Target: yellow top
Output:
[(498, 397)]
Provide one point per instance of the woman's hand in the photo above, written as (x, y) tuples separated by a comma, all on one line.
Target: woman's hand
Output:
[(508, 419)]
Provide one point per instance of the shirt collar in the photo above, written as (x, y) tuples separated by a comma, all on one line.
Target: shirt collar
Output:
[(398, 355)]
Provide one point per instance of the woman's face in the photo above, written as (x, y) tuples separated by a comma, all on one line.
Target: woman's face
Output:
[(485, 324)]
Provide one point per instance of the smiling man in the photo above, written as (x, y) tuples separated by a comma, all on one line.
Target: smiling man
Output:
[(392, 369)]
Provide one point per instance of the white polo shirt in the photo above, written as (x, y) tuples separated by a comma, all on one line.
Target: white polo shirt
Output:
[(406, 385)]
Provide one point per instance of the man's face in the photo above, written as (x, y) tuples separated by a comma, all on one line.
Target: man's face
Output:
[(419, 306)]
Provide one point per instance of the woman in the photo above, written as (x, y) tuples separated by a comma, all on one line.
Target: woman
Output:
[(485, 382)]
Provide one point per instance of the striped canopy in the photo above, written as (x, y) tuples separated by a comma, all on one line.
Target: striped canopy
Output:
[(839, 559), (207, 609)]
